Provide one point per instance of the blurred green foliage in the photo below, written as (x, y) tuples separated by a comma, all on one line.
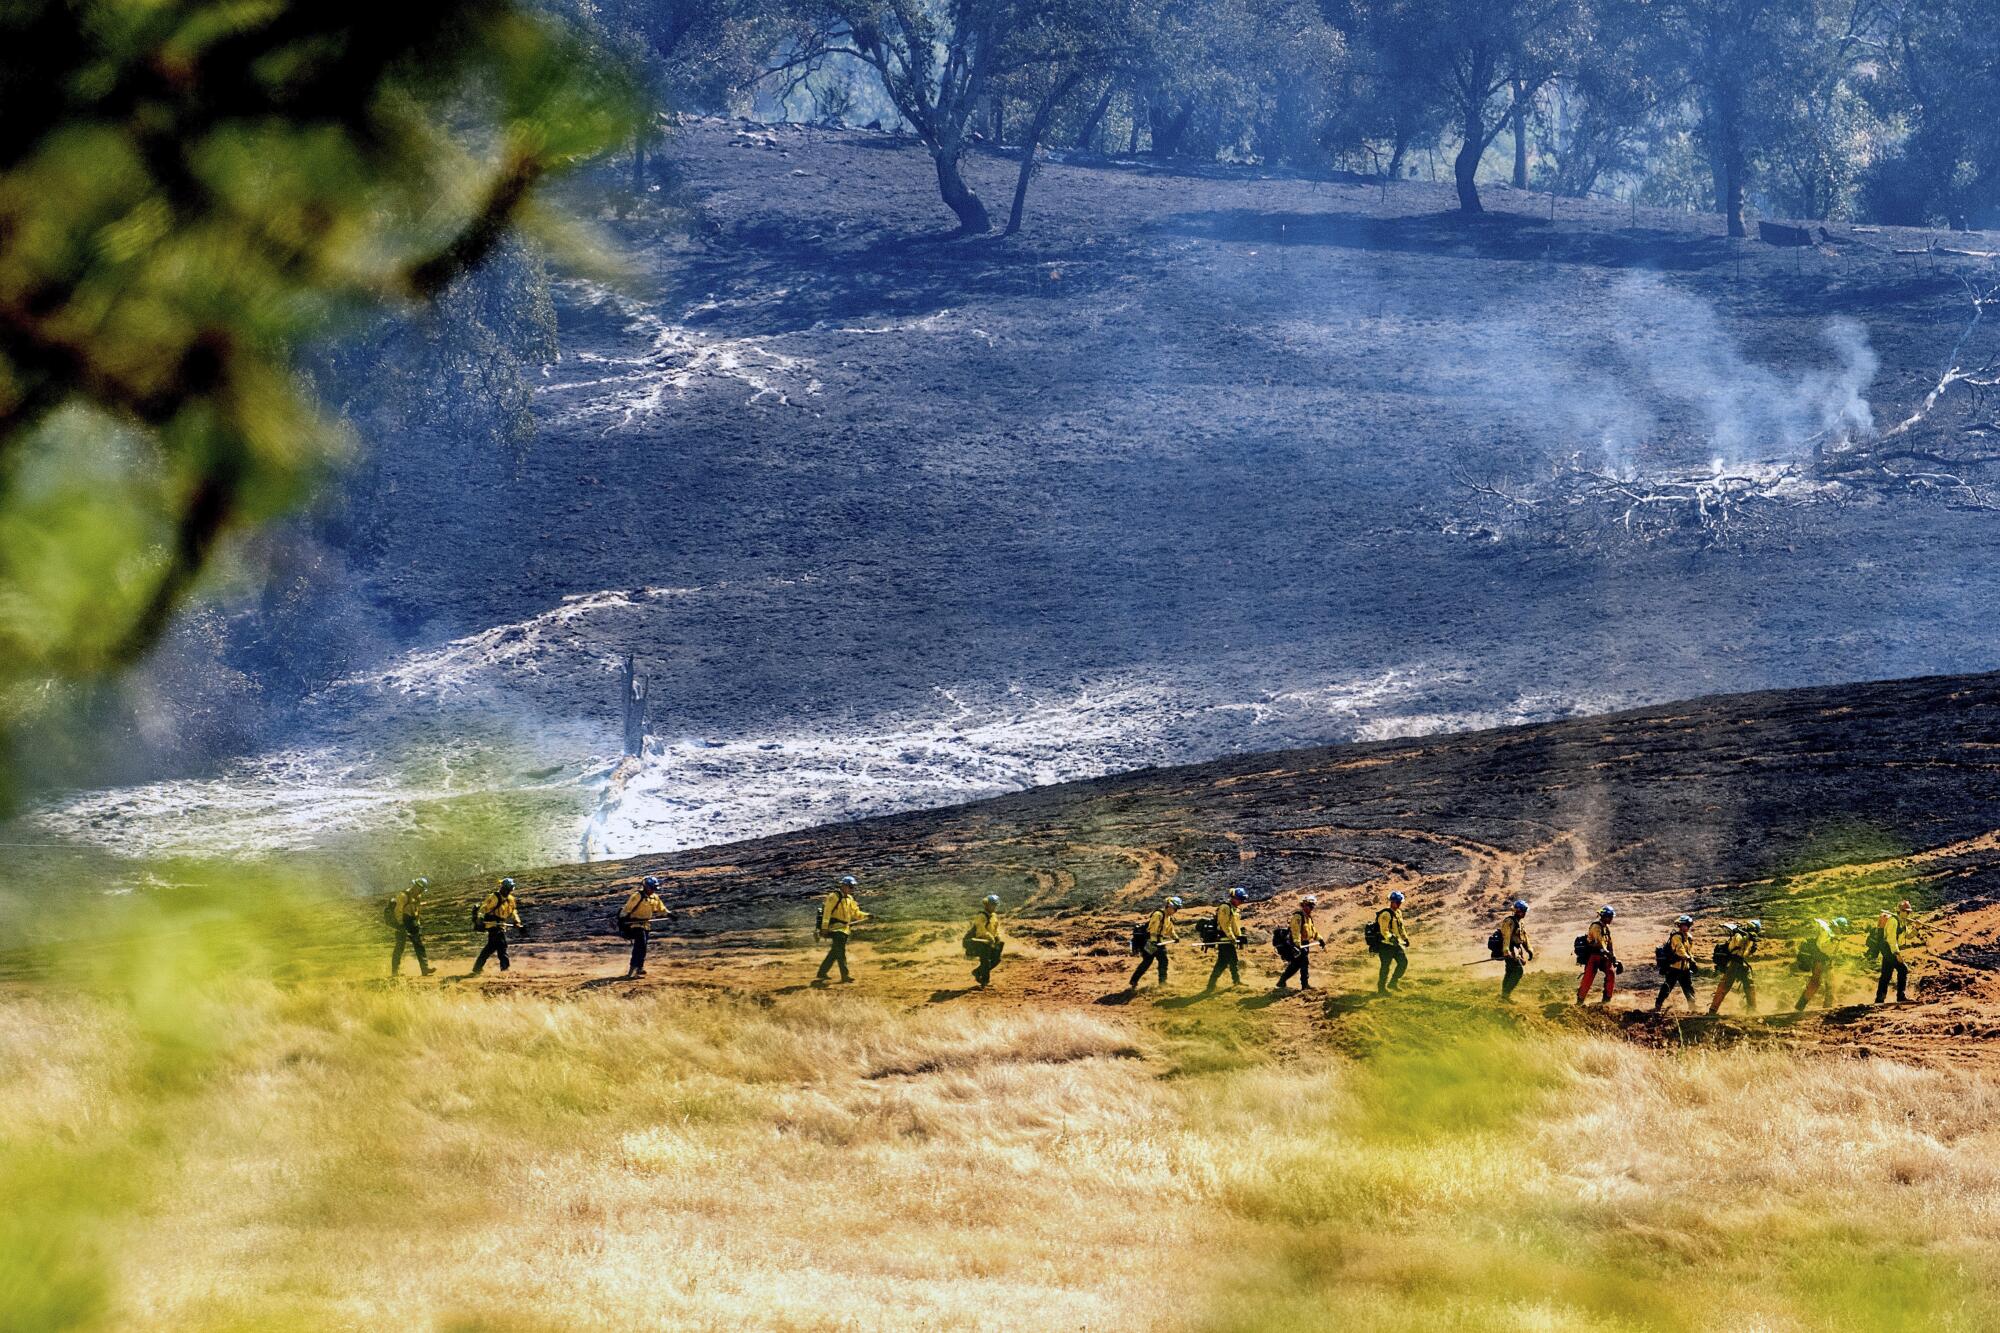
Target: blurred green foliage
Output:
[(189, 191)]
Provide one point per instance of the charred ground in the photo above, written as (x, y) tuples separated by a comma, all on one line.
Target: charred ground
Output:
[(1209, 421)]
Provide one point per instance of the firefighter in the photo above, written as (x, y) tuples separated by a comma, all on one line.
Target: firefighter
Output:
[(1515, 949), (1600, 957), (635, 922), (839, 914), (1738, 950), (1305, 934), (1817, 953), (500, 910), (1160, 932), (984, 938), (407, 916), (1677, 963), (1395, 941), (1229, 930), (1893, 943)]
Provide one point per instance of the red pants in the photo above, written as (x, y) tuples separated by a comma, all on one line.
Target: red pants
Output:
[(1598, 963)]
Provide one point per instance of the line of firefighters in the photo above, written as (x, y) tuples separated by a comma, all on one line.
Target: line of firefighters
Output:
[(1386, 936)]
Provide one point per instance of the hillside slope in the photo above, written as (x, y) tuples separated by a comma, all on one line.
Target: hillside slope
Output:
[(892, 520), (1787, 805)]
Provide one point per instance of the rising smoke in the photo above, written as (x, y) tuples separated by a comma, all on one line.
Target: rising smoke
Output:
[(1654, 380)]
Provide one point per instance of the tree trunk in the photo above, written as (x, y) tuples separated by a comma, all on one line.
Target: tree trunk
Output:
[(634, 692), (1095, 118), (1520, 136), (1021, 183), (1038, 126), (1170, 129), (1465, 170), (1733, 204), (958, 196)]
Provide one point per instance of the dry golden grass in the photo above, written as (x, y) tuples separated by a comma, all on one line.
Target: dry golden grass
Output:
[(187, 1143)]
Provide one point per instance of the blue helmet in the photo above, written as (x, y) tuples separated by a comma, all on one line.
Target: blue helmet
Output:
[(507, 884), (1607, 911), (652, 881), (1520, 905), (1684, 920), (848, 882), (1239, 894), (992, 900), (1174, 900), (1396, 897)]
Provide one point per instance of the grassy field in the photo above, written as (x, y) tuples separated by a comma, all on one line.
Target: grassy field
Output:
[(195, 1134)]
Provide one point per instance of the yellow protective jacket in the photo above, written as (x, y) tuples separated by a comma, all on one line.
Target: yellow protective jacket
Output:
[(839, 913), (1892, 936), (1389, 921), (1906, 930), (1160, 928), (497, 909), (1681, 946), (641, 908), (986, 927), (1514, 936), (409, 906), (1599, 934), (1742, 944), (1229, 922), (1304, 929)]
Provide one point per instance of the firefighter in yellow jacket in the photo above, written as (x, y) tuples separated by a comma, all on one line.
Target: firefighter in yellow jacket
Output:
[(1737, 952), (1676, 957), (1160, 932), (1305, 937), (406, 915), (1600, 956), (635, 922), (1817, 956), (1516, 952), (839, 914), (1392, 951), (1229, 940), (500, 910), (984, 939), (1895, 930)]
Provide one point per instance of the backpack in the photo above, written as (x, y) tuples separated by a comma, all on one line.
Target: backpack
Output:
[(1495, 946), (478, 922), (1722, 954), (1372, 934), (1208, 931), (1585, 950), (390, 916), (1809, 955), (1665, 958), (1878, 943), (970, 943), (1281, 940), (1141, 936)]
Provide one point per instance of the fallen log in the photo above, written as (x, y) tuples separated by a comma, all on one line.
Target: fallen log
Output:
[(1778, 233)]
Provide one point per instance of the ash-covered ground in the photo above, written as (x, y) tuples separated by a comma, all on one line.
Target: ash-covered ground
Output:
[(1189, 467)]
